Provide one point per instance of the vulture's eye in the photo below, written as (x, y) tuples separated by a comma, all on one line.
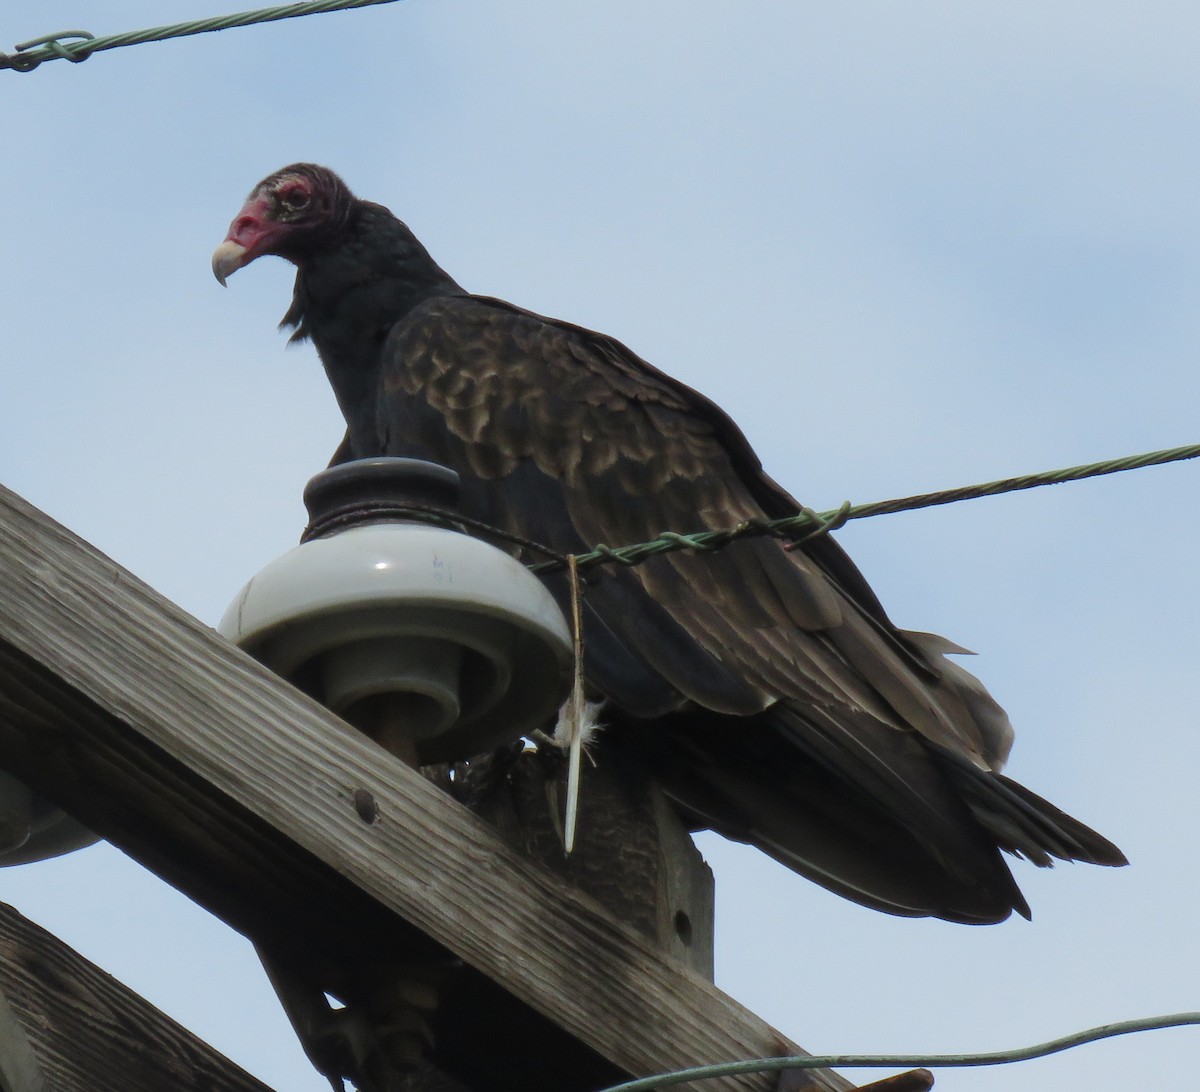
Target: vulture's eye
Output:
[(294, 199)]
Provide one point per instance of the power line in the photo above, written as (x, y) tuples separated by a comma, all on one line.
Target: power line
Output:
[(49, 47), (908, 1061), (808, 524)]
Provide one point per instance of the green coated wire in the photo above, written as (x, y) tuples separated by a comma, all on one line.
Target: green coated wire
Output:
[(50, 47), (908, 1061), (809, 523)]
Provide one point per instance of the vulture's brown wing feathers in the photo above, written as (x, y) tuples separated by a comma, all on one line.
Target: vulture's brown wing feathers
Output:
[(565, 436)]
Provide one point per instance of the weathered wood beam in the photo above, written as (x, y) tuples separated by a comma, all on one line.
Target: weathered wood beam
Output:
[(67, 1026), (279, 817)]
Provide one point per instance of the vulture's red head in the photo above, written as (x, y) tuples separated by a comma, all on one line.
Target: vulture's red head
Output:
[(290, 213)]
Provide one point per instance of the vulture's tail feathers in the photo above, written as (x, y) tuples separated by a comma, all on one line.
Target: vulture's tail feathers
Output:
[(1022, 822)]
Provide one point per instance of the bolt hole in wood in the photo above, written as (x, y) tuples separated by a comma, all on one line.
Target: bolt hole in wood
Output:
[(365, 806)]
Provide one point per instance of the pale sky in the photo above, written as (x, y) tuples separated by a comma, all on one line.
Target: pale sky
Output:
[(907, 246)]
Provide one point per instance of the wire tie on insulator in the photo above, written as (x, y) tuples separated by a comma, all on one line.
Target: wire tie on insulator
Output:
[(757, 526), (824, 525), (51, 42), (688, 542), (607, 553)]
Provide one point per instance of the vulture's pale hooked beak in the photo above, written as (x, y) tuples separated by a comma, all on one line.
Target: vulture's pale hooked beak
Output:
[(228, 258)]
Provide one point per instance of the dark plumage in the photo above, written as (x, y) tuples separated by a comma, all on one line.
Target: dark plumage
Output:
[(767, 690)]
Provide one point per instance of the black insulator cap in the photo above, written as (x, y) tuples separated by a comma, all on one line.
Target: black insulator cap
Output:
[(378, 490)]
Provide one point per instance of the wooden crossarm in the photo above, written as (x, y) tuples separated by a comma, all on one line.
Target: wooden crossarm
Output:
[(250, 798)]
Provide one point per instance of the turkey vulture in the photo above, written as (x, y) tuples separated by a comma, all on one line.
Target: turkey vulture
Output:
[(766, 688)]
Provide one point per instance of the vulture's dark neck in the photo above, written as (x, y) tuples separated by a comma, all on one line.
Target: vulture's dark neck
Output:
[(347, 298)]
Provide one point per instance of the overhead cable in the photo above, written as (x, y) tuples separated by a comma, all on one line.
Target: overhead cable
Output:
[(908, 1061), (808, 524), (79, 45)]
